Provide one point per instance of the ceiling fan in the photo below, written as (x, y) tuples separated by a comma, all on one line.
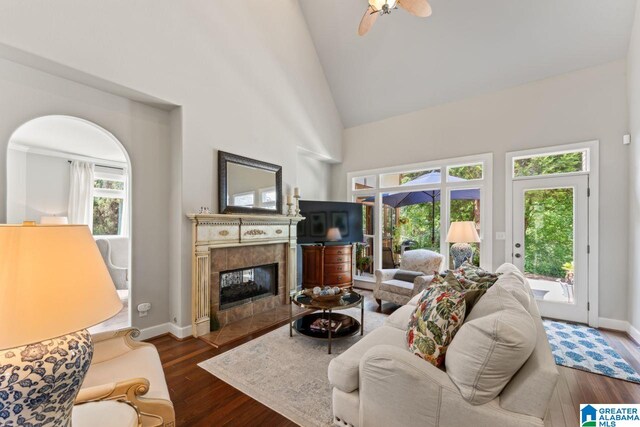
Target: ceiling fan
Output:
[(376, 8)]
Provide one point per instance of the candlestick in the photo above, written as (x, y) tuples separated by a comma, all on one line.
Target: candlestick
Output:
[(296, 192), (297, 197)]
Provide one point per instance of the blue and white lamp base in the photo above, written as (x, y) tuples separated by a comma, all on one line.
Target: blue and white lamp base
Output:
[(39, 382), (461, 252)]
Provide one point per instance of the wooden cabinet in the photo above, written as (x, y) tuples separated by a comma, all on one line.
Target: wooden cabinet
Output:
[(326, 266)]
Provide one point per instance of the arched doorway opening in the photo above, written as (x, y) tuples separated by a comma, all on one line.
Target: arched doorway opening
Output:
[(64, 169)]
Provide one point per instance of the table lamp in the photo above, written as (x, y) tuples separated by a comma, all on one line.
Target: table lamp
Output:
[(461, 234), (53, 285), (333, 234)]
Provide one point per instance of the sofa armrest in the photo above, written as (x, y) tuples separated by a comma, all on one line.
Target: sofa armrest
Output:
[(111, 344), (398, 388), (386, 274), (421, 283), (153, 412), (121, 390)]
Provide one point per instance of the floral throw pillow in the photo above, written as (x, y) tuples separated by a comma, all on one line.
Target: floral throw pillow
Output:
[(434, 323), (477, 274)]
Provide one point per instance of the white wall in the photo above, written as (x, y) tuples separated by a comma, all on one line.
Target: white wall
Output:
[(47, 187), (144, 132), (634, 174), (17, 191), (579, 106), (314, 177), (245, 73)]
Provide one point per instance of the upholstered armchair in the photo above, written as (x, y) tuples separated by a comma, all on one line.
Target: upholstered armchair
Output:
[(123, 369), (399, 285), (115, 252)]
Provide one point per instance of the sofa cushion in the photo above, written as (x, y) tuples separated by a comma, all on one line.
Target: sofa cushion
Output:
[(421, 260), (397, 287), (108, 413), (399, 319), (141, 362), (434, 323), (344, 369), (515, 285), (407, 276), (493, 344)]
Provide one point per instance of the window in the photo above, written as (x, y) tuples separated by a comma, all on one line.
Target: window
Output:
[(268, 198), (412, 207), (363, 182), (411, 178), (109, 198), (244, 199), (550, 164), (465, 172)]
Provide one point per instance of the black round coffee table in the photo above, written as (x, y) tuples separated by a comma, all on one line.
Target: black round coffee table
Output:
[(346, 325)]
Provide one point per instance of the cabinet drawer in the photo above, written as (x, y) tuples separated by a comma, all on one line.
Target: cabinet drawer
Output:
[(336, 258), (337, 250), (337, 268), (337, 278)]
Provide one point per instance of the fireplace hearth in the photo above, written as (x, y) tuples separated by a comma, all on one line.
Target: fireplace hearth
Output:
[(246, 285)]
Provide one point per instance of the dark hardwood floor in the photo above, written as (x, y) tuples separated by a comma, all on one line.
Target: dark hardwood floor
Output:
[(200, 399)]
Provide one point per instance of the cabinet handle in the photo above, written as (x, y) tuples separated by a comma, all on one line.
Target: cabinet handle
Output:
[(339, 259), (339, 277), (339, 252)]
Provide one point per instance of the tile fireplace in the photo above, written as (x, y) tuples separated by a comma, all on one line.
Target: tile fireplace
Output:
[(234, 256)]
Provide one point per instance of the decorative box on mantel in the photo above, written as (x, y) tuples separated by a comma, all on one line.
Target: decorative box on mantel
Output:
[(218, 231)]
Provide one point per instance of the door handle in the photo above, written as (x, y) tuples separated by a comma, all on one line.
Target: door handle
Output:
[(518, 255), (518, 245)]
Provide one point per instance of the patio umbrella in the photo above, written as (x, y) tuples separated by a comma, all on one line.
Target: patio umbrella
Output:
[(408, 198)]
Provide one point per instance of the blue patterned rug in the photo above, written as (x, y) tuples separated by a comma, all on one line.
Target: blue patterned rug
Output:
[(581, 347)]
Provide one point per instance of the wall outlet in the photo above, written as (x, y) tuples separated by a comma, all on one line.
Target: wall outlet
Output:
[(626, 140), (501, 235), (143, 308)]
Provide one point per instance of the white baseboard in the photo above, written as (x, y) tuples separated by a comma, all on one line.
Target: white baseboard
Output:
[(180, 331), (620, 325), (164, 328), (613, 324), (634, 333)]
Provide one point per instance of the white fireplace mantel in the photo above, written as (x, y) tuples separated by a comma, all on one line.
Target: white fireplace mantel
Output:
[(210, 231)]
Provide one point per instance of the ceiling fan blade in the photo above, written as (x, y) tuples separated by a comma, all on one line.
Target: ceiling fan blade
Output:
[(420, 8), (367, 21)]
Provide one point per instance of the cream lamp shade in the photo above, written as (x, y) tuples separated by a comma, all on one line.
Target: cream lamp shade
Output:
[(54, 220), (333, 234), (53, 281), (463, 232)]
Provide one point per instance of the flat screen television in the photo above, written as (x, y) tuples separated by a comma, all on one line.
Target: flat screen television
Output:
[(321, 216)]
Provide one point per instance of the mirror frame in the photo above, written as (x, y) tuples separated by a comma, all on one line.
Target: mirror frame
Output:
[(223, 159)]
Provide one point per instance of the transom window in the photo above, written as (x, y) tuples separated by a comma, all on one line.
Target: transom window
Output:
[(551, 164)]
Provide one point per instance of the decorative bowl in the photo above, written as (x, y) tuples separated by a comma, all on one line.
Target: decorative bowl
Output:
[(324, 298)]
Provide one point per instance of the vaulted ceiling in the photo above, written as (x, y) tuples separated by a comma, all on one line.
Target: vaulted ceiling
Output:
[(466, 48)]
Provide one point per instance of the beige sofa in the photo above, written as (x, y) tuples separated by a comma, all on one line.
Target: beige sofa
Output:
[(127, 370), (379, 382)]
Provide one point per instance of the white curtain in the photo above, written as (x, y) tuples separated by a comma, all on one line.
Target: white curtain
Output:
[(81, 193)]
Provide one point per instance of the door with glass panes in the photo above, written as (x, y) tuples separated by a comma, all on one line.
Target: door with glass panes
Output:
[(550, 242)]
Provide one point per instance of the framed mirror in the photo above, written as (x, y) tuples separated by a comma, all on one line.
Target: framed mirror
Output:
[(248, 186)]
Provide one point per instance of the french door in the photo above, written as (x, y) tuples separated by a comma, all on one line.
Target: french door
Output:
[(550, 243)]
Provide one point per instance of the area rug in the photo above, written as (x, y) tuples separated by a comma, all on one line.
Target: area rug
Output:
[(581, 347), (289, 375)]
